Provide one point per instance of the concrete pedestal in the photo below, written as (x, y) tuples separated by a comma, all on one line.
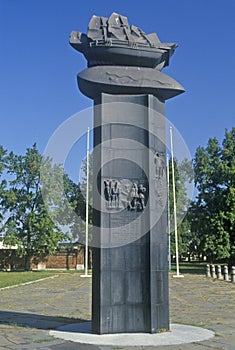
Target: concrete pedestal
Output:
[(130, 267), (130, 240)]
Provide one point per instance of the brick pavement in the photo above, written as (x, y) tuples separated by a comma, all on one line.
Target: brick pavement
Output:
[(29, 312)]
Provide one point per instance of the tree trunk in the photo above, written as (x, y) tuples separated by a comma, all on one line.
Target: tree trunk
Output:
[(27, 264)]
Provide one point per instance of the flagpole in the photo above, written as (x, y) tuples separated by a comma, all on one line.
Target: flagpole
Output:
[(174, 208), (168, 213), (87, 204)]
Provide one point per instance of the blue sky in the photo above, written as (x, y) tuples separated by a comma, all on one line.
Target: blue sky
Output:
[(38, 66)]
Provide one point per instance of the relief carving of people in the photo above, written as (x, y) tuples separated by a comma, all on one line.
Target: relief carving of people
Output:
[(107, 190), (115, 194), (111, 193), (137, 197), (121, 195), (159, 161), (141, 193)]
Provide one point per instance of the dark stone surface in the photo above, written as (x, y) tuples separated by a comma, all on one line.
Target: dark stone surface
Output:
[(130, 254), (130, 282), (129, 80), (111, 41)]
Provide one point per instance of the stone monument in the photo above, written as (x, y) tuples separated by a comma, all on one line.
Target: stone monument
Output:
[(130, 239)]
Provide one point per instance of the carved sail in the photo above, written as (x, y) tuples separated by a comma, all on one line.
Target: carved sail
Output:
[(111, 41)]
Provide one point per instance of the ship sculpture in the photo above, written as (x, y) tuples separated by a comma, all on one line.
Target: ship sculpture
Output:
[(112, 41)]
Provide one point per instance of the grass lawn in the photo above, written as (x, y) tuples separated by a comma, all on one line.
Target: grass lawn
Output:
[(198, 268), (8, 279)]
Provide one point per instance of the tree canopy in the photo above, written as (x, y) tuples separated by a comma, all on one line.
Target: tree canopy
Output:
[(37, 200), (29, 225), (183, 172), (213, 212)]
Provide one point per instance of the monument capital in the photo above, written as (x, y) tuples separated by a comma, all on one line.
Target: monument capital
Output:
[(112, 41), (127, 80)]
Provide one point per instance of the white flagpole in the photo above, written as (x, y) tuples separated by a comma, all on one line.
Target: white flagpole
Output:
[(174, 208), (87, 204), (168, 213)]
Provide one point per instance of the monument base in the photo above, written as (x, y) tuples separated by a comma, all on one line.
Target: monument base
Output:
[(179, 334)]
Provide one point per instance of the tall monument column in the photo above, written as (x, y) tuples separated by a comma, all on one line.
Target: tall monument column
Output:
[(130, 239)]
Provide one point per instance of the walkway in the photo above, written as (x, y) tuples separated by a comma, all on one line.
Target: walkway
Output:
[(29, 312)]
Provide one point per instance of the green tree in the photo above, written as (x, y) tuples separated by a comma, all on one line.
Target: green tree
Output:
[(77, 203), (3, 159), (28, 224), (213, 212), (90, 185), (3, 182), (65, 201), (90, 202), (183, 175), (228, 175)]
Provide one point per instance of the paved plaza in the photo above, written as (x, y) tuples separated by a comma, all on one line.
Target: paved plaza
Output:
[(29, 312)]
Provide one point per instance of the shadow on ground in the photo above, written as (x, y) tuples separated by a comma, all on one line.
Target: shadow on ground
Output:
[(37, 321)]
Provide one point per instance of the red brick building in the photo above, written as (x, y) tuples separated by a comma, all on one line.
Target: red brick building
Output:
[(64, 259)]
